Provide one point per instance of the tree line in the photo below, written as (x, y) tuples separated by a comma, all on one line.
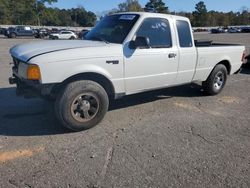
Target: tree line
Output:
[(200, 17), (35, 12)]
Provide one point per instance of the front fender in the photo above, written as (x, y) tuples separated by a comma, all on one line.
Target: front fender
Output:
[(88, 68), (53, 73)]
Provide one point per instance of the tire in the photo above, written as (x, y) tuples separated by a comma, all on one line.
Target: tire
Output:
[(54, 38), (13, 35), (216, 80), (72, 38), (81, 105), (41, 36)]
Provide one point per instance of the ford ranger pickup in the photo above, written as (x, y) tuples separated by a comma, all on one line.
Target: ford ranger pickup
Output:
[(124, 54)]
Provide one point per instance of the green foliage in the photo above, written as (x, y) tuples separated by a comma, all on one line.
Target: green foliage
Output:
[(34, 12), (201, 8), (130, 6), (156, 6), (200, 14), (127, 6), (202, 18)]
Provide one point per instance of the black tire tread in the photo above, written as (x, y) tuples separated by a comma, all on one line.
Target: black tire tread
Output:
[(62, 109), (208, 84)]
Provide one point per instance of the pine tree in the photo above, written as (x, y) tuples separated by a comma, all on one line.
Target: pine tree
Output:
[(200, 14), (157, 6)]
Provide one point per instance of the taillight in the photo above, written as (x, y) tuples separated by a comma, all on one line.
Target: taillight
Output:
[(243, 59)]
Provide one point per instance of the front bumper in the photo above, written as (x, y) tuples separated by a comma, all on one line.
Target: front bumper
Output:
[(31, 89)]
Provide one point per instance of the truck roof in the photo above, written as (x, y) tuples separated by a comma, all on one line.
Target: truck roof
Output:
[(150, 14)]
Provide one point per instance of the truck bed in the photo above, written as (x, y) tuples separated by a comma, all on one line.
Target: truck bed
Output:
[(210, 43), (210, 54)]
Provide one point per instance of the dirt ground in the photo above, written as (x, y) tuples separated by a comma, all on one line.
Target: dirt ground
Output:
[(174, 137)]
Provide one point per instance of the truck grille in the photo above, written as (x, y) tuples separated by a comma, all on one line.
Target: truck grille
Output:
[(16, 63)]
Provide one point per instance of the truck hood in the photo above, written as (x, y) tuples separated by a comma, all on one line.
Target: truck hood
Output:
[(27, 51)]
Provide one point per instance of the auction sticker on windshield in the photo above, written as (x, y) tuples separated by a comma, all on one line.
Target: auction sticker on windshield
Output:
[(127, 17)]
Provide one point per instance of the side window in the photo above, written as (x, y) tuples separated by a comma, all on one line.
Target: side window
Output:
[(19, 29), (158, 32), (184, 33), (27, 28)]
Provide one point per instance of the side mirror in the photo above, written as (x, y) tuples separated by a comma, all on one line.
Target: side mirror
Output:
[(140, 42)]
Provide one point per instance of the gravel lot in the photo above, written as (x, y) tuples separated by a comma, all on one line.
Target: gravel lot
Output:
[(174, 137)]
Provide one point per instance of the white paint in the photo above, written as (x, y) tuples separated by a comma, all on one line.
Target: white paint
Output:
[(138, 70)]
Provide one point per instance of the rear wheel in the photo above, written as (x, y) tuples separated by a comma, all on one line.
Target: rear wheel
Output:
[(216, 81), (81, 105), (13, 35)]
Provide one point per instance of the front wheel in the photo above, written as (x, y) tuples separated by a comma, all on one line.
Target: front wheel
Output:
[(81, 105), (216, 80)]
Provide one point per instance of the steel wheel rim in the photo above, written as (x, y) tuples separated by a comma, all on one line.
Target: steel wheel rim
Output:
[(219, 80), (85, 107)]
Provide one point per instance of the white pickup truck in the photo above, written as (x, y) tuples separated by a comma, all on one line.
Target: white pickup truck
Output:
[(124, 54)]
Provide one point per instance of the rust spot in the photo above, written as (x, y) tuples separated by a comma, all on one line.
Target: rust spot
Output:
[(12, 155)]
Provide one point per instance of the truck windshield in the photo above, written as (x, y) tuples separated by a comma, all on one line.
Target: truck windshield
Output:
[(113, 29)]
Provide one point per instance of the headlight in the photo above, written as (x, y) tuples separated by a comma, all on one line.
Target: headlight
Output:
[(33, 72)]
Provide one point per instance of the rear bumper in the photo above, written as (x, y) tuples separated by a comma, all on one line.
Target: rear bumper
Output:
[(247, 60)]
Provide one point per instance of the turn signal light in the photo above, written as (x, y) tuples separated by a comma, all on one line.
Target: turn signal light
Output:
[(33, 72)]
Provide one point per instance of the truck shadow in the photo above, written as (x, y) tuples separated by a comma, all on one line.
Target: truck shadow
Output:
[(246, 69), (192, 90), (35, 117), (26, 117)]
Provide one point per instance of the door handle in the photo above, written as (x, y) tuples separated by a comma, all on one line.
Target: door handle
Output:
[(172, 55)]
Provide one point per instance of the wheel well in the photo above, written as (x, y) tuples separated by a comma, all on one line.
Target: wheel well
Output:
[(100, 79), (226, 64), (11, 33)]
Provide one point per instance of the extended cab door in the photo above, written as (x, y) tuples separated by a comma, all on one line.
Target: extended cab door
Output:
[(187, 52), (156, 66)]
